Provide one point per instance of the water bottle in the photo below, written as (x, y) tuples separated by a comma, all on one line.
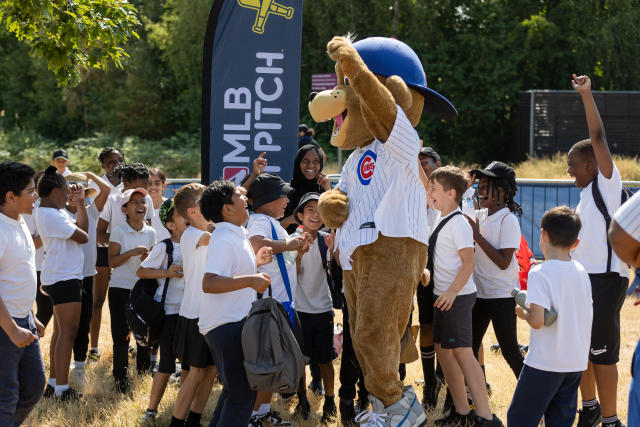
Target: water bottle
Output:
[(550, 316), (468, 208), (291, 256)]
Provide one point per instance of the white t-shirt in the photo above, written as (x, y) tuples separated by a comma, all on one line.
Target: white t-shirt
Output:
[(17, 267), (63, 258), (158, 260), (230, 254), (454, 236), (628, 216), (194, 261), (161, 231), (312, 294), (259, 225), (112, 212), (115, 189), (386, 194), (591, 252), (89, 249), (502, 230), (31, 225), (124, 276), (564, 287)]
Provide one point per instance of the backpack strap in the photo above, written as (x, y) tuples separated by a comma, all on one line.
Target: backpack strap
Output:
[(322, 245), (432, 243), (285, 278), (602, 207), (169, 247)]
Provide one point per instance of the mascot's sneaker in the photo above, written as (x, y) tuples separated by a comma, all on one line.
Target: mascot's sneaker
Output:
[(416, 408), (400, 414)]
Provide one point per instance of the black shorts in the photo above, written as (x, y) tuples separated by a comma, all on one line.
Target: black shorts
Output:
[(452, 328), (608, 291), (102, 258), (317, 333), (167, 354), (189, 344), (424, 295), (65, 291)]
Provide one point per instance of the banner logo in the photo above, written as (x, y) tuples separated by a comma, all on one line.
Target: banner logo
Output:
[(263, 9), (235, 174), (366, 166)]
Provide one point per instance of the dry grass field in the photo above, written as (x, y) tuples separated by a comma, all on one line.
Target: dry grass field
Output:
[(102, 406)]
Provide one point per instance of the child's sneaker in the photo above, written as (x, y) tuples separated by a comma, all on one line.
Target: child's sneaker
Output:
[(493, 422), (70, 395), (456, 419), (132, 351), (49, 392), (316, 387), (347, 413), (287, 396), (149, 416), (255, 421), (93, 356), (430, 394), (589, 417), (123, 385), (303, 409), (329, 410), (274, 418)]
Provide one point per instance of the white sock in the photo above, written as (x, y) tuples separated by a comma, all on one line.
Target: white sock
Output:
[(61, 388), (78, 365), (52, 382), (154, 357)]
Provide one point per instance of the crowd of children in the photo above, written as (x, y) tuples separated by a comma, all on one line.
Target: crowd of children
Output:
[(71, 240)]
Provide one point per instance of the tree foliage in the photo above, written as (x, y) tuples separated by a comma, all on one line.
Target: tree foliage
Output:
[(478, 53)]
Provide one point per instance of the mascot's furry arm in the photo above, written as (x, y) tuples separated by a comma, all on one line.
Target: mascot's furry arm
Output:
[(377, 100)]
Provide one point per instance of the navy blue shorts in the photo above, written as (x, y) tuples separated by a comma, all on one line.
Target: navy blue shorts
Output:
[(452, 328)]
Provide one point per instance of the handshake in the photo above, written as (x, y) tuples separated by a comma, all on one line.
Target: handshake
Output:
[(521, 299)]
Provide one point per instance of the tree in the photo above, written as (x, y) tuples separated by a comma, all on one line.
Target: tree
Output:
[(72, 36)]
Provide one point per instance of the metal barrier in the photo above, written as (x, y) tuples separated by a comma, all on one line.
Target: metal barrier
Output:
[(535, 196)]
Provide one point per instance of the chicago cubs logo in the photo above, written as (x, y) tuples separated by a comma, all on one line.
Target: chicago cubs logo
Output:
[(366, 166)]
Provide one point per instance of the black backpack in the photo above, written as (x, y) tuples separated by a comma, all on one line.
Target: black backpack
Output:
[(602, 207), (336, 293), (144, 314)]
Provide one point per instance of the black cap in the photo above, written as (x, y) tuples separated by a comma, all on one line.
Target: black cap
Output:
[(266, 188), (60, 153), (305, 199), (497, 170), (303, 128), (428, 151)]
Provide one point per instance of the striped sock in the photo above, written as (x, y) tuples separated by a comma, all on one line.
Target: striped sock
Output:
[(427, 354), (588, 404), (611, 421)]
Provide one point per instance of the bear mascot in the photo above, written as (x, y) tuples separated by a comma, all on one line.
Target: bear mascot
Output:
[(379, 207)]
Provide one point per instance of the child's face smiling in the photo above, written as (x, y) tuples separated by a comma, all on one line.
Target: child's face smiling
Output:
[(486, 198), (442, 200), (580, 169), (136, 208), (156, 187), (310, 216), (112, 161), (275, 208), (237, 212), (310, 165)]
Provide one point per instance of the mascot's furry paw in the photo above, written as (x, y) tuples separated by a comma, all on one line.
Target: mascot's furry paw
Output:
[(425, 278), (334, 208), (342, 51)]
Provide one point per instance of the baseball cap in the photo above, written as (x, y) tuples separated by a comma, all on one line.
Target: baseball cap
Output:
[(266, 188), (497, 170), (60, 154), (305, 199), (166, 207), (428, 151), (80, 178), (126, 196)]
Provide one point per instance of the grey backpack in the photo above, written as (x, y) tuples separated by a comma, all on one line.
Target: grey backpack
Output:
[(273, 360)]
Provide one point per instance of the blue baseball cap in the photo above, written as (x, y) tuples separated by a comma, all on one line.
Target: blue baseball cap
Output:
[(388, 57)]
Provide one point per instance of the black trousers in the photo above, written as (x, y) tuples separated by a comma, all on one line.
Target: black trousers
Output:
[(44, 305), (81, 343), (120, 334), (350, 372), (501, 313)]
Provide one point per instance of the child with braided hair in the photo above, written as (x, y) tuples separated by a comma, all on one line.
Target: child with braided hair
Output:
[(497, 237)]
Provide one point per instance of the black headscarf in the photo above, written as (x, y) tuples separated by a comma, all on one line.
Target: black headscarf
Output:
[(300, 184)]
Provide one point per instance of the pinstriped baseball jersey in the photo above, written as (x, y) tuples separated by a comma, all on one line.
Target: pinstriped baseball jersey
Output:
[(385, 192)]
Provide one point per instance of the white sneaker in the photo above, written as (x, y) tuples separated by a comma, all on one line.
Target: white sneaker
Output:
[(400, 414), (76, 376), (415, 405)]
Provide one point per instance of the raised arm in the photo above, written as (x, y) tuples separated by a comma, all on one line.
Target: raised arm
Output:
[(582, 85), (105, 190)]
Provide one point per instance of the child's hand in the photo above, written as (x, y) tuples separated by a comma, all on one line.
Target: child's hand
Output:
[(445, 301), (174, 271), (260, 282), (323, 180), (330, 240), (39, 327), (264, 256), (306, 243), (472, 179), (259, 165), (76, 194), (296, 243), (581, 84), (139, 251), (21, 337), (521, 312), (475, 226)]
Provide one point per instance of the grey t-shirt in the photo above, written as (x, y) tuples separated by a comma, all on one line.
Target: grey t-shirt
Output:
[(312, 294)]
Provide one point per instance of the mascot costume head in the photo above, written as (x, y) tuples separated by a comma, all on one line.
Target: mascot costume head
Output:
[(379, 207)]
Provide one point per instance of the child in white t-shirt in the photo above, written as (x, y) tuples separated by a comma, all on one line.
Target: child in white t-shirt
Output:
[(191, 348), (497, 236), (61, 274), (230, 284), (558, 353), (451, 263), (157, 185), (268, 196), (129, 245), (155, 266)]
